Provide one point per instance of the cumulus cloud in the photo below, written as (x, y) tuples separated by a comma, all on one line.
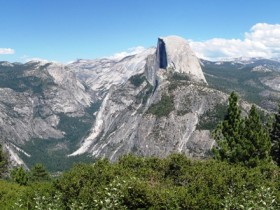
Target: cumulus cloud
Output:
[(128, 52), (263, 40), (6, 51)]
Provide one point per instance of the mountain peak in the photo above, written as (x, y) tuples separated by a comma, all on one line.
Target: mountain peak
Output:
[(174, 52), (6, 63)]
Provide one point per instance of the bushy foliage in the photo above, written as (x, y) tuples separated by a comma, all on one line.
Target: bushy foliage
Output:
[(39, 173), (175, 182), (39, 201), (23, 177), (9, 193), (111, 196), (20, 175), (262, 198)]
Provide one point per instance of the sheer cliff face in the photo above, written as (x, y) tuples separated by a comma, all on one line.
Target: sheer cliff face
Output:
[(174, 53)]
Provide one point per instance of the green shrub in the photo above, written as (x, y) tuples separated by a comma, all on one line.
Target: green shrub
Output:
[(20, 175), (9, 193), (174, 182), (260, 198)]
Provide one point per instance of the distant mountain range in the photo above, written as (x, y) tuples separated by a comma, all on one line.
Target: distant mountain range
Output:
[(158, 101), (255, 79)]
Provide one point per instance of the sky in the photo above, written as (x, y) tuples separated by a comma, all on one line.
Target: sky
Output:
[(66, 30)]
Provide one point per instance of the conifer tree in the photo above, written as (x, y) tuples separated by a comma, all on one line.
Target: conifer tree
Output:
[(275, 137), (228, 133), (39, 173), (256, 144), (241, 141), (20, 176)]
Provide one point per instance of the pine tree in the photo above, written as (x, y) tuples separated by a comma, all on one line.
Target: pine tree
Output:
[(256, 144), (20, 176), (275, 137), (241, 141), (228, 133), (39, 173)]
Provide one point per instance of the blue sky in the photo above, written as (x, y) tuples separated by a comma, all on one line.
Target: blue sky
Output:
[(65, 30)]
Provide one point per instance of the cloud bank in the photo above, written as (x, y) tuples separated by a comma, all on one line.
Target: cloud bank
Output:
[(6, 51), (263, 40)]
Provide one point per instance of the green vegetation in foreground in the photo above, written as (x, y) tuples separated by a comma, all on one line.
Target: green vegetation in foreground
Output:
[(241, 176), (175, 182)]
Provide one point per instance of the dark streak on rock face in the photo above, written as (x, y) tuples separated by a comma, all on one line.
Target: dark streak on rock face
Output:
[(161, 54)]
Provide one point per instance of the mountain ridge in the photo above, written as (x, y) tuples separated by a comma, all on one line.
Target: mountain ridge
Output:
[(158, 101)]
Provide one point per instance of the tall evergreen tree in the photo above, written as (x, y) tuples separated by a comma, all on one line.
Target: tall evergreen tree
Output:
[(241, 141), (275, 137), (228, 133), (256, 144)]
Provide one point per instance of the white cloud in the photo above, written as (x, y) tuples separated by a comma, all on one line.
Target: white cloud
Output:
[(128, 52), (6, 51), (263, 40)]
